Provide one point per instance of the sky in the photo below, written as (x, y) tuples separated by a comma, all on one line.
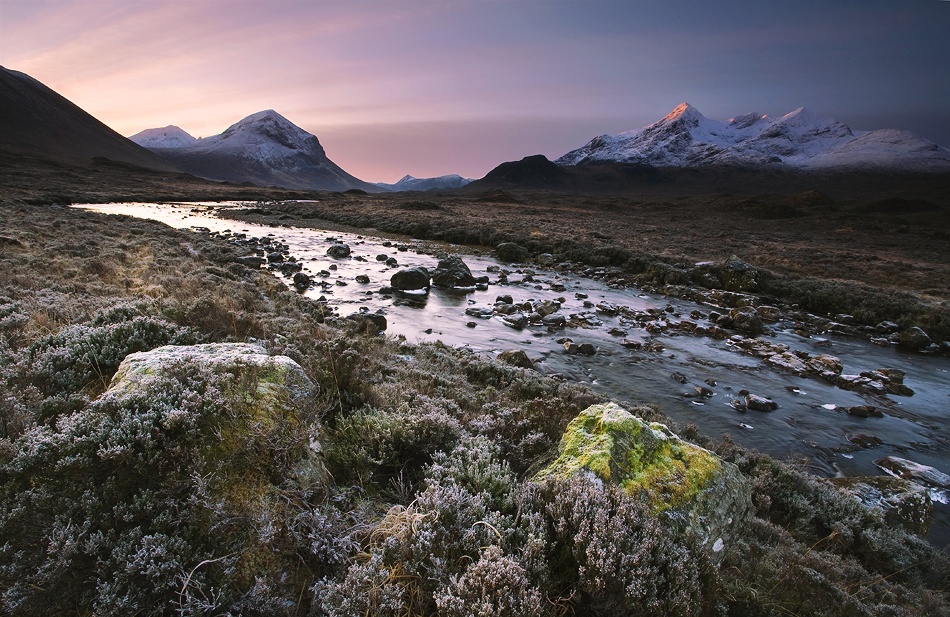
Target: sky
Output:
[(428, 88)]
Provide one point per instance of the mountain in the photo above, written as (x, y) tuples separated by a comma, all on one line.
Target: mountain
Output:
[(167, 137), (37, 122), (265, 149), (408, 183), (801, 139)]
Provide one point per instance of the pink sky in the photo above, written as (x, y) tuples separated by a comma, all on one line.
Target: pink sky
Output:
[(430, 88)]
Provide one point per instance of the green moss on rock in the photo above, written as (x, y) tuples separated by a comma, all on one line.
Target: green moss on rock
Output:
[(676, 478)]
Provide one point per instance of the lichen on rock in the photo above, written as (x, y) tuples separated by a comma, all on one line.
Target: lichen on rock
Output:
[(680, 480)]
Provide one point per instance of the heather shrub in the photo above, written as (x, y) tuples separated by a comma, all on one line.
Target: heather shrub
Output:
[(373, 447), (176, 497), (617, 557), (83, 356), (494, 586)]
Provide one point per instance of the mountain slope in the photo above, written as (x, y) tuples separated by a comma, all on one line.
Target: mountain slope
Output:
[(408, 183), (166, 137), (37, 122), (265, 149), (801, 139)]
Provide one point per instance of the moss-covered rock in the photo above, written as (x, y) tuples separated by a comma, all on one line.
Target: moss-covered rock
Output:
[(273, 394), (683, 482)]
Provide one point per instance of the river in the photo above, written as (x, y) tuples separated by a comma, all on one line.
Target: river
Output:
[(809, 421)]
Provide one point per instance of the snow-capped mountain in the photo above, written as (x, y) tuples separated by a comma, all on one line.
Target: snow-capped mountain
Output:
[(166, 137), (801, 139), (408, 183), (265, 149)]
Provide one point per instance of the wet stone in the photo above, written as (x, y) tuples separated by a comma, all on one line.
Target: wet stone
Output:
[(338, 251), (760, 403), (516, 357)]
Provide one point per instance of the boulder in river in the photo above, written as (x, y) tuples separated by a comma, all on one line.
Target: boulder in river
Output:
[(914, 338), (901, 503), (760, 403), (746, 319), (689, 485), (338, 251), (410, 279), (301, 281), (910, 470), (452, 272)]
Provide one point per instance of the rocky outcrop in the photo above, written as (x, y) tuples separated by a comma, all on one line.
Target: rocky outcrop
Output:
[(687, 484)]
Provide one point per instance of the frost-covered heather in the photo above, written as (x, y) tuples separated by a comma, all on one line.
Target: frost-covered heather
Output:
[(182, 501)]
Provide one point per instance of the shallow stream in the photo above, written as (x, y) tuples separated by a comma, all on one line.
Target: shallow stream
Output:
[(806, 422)]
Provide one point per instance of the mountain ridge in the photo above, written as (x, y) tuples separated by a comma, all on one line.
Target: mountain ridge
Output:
[(801, 139), (38, 122), (410, 183), (264, 148)]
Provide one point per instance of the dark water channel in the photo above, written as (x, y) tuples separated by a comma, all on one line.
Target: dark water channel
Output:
[(805, 423)]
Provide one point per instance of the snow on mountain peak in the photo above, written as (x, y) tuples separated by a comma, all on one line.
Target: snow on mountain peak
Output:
[(166, 137), (799, 139), (684, 111)]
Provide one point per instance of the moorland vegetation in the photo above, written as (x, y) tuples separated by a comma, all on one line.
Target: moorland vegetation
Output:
[(127, 503)]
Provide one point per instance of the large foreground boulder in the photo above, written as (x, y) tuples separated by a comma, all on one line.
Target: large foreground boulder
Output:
[(272, 391), (687, 484), (175, 482)]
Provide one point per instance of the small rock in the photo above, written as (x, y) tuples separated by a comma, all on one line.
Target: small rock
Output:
[(760, 403), (864, 411), (864, 440), (679, 377), (586, 349), (301, 281), (516, 357), (338, 251), (362, 278)]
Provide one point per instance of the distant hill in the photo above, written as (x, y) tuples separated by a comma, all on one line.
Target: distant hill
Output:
[(264, 148), (37, 122), (165, 137), (408, 183), (802, 140)]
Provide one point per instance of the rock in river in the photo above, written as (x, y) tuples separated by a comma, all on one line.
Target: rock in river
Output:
[(689, 485), (760, 403), (339, 251), (914, 338), (452, 272), (910, 470), (410, 279)]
